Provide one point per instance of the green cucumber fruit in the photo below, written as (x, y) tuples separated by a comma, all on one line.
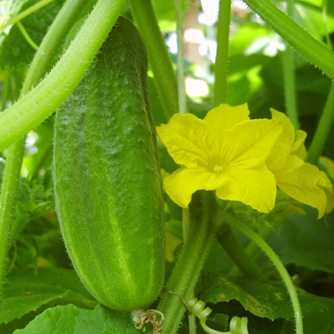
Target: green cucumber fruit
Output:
[(107, 178)]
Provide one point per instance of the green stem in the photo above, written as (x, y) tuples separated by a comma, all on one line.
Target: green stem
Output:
[(22, 15), (252, 249), (190, 261), (314, 51), (324, 20), (9, 189), (180, 67), (158, 56), (5, 91), (277, 263), (327, 115), (44, 99), (26, 35), (289, 77), (183, 110), (289, 86), (237, 253), (323, 129), (52, 41), (221, 65)]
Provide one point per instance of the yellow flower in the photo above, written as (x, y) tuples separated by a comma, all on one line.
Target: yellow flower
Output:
[(298, 179), (225, 152)]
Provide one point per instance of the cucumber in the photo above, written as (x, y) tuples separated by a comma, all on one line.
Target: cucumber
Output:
[(107, 178)]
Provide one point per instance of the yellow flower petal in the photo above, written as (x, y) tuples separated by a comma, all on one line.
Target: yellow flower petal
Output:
[(282, 147), (255, 187), (185, 181), (305, 183), (329, 165), (313, 197), (249, 144), (186, 138), (224, 118), (298, 148), (330, 202)]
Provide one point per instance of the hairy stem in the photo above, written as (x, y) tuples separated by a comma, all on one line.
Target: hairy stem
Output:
[(45, 54), (237, 253), (52, 91), (158, 56), (277, 263), (190, 262), (10, 184)]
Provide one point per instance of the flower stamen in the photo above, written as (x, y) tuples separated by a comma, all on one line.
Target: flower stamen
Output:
[(217, 169)]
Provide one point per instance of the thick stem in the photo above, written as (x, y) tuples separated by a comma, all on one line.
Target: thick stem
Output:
[(277, 263), (60, 27), (237, 253), (190, 262), (221, 65), (9, 189), (44, 99), (314, 51), (158, 56)]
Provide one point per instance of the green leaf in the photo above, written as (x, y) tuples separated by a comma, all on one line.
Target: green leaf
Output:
[(71, 319), (28, 290), (306, 241), (311, 18), (268, 299), (15, 52), (245, 35)]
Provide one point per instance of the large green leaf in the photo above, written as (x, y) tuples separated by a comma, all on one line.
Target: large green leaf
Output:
[(28, 290), (306, 241), (73, 320), (15, 52), (268, 299)]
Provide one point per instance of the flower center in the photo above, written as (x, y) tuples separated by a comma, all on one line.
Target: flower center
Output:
[(217, 169)]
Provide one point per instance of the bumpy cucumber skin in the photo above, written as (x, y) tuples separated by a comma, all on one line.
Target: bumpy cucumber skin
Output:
[(107, 179)]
